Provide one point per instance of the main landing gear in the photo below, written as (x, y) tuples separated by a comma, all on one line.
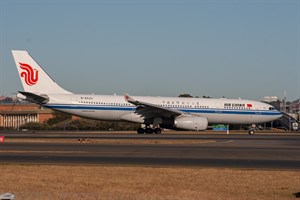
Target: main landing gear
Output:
[(149, 130), (253, 128)]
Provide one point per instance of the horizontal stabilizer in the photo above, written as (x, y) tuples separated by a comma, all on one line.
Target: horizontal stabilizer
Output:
[(39, 99)]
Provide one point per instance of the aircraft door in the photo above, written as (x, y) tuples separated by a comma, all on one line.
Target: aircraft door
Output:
[(74, 100)]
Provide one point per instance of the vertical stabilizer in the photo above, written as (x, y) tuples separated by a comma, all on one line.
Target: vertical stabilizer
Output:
[(34, 79)]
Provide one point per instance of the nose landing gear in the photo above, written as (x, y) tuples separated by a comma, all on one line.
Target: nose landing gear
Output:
[(254, 128), (251, 131)]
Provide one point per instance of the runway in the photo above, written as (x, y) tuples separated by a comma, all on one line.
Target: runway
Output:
[(268, 151)]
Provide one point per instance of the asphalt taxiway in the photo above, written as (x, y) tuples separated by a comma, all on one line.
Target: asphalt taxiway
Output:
[(268, 151)]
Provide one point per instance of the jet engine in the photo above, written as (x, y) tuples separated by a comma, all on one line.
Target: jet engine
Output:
[(194, 123)]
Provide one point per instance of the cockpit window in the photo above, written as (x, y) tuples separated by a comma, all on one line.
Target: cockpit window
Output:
[(271, 108)]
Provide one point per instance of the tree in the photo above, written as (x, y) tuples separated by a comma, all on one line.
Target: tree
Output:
[(35, 126), (58, 117)]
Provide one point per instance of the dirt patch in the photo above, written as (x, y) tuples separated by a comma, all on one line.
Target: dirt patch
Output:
[(132, 182)]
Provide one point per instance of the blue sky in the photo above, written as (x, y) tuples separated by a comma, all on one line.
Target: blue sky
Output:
[(247, 49)]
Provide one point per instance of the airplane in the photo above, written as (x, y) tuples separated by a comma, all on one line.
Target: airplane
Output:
[(154, 113)]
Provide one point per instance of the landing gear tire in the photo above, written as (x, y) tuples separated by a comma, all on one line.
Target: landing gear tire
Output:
[(149, 131), (251, 132), (141, 131), (157, 131)]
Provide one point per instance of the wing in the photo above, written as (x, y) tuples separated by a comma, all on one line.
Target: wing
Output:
[(149, 110)]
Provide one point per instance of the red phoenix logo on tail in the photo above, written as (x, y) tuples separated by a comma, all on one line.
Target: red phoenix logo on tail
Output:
[(29, 74)]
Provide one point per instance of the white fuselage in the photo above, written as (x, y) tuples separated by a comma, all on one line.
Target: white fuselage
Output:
[(112, 108)]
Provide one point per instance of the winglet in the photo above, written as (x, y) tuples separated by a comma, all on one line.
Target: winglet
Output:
[(128, 98)]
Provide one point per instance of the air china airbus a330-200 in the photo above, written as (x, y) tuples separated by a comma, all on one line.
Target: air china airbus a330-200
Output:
[(155, 112)]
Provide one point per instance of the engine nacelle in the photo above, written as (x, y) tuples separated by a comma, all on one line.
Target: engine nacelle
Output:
[(194, 123)]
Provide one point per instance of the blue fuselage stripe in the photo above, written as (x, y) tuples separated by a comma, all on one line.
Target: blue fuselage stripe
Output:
[(191, 110)]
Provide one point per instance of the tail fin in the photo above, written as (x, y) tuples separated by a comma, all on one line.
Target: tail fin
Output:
[(34, 79)]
